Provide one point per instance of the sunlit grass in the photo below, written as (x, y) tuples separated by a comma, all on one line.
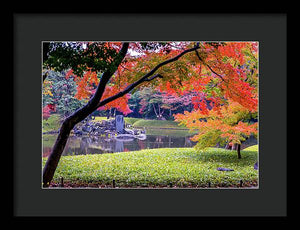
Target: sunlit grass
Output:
[(128, 120), (131, 120), (157, 124), (252, 148), (97, 119), (181, 167)]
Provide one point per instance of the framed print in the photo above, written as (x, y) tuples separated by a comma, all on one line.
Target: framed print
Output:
[(126, 121)]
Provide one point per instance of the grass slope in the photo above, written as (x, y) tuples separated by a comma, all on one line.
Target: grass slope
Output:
[(252, 148), (157, 124), (183, 167)]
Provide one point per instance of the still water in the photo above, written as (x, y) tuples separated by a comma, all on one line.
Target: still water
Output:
[(99, 145)]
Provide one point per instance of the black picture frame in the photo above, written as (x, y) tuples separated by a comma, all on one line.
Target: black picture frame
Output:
[(29, 200)]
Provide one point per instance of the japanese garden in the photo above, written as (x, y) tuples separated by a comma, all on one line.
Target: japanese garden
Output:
[(163, 115)]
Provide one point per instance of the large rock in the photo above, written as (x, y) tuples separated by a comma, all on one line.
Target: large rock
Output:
[(119, 123)]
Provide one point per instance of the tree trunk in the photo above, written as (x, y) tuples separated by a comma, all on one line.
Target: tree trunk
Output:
[(91, 106), (238, 149), (64, 133), (74, 119), (56, 153), (45, 76)]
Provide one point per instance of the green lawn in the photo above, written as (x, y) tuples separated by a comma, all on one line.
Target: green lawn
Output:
[(182, 167), (128, 120), (157, 124), (252, 148), (97, 119), (51, 124), (131, 120)]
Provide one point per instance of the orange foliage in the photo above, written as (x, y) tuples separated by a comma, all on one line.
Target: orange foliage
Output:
[(86, 87), (233, 50), (217, 80), (84, 83), (219, 76), (227, 121), (121, 104)]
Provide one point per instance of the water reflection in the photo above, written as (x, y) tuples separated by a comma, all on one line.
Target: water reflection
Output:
[(99, 145)]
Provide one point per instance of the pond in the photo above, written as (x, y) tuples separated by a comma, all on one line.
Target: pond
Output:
[(99, 144)]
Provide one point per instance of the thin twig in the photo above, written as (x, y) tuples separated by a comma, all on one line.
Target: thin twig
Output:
[(209, 66)]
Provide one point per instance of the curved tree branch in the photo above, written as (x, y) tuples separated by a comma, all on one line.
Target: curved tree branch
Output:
[(208, 66), (146, 77), (82, 113)]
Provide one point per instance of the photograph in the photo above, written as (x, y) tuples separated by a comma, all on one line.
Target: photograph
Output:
[(150, 114)]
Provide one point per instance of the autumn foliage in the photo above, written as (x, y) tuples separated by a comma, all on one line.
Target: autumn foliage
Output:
[(226, 125), (226, 95), (47, 110), (86, 87), (220, 80)]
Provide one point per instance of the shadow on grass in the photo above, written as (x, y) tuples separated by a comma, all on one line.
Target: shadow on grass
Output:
[(223, 156)]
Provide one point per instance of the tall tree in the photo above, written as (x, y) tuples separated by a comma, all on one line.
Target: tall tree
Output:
[(232, 93), (59, 91), (214, 72), (78, 116), (97, 57), (229, 124), (151, 103)]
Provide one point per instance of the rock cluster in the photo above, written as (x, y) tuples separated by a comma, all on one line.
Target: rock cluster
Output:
[(94, 128), (101, 128)]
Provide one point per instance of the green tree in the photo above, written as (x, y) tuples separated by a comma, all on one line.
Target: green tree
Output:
[(62, 93), (152, 103)]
